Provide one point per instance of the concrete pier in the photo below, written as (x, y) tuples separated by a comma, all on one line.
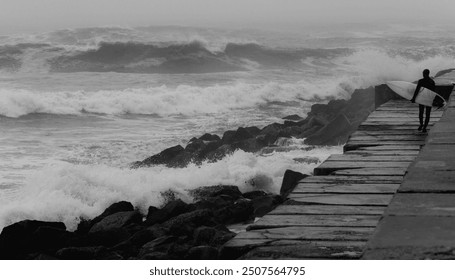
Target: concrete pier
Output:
[(390, 195)]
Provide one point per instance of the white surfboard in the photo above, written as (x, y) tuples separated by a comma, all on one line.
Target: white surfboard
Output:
[(425, 97)]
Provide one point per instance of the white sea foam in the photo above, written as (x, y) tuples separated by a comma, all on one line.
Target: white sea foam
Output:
[(66, 192), (163, 100), (374, 66)]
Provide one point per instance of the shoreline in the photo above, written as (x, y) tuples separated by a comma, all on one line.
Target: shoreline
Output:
[(120, 231)]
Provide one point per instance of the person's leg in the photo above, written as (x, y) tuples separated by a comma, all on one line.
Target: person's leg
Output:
[(421, 109), (427, 118)]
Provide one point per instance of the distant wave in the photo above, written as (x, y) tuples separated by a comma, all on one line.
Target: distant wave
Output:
[(169, 58)]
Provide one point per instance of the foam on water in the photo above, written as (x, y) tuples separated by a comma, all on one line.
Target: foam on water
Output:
[(65, 192)]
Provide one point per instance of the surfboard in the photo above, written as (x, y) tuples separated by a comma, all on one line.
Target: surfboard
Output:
[(425, 97)]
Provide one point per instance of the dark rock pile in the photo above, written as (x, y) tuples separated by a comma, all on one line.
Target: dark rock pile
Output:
[(176, 231), (326, 124)]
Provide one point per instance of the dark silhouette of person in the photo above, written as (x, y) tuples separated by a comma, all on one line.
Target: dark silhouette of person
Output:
[(428, 83)]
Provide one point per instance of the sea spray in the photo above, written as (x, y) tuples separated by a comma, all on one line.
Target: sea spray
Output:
[(65, 192)]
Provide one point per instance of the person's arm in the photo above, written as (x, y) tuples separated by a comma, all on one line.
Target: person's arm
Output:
[(419, 85)]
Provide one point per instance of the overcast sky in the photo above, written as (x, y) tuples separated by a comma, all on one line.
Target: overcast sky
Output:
[(46, 15)]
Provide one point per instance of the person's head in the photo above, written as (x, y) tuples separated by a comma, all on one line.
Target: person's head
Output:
[(426, 73)]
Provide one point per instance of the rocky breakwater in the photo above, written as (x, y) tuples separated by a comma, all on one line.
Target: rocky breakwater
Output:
[(325, 124), (176, 231)]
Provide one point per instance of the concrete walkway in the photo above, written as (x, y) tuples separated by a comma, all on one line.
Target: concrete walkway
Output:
[(333, 214), (386, 197), (419, 223)]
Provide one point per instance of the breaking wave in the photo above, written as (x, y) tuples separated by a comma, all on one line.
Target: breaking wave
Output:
[(67, 192)]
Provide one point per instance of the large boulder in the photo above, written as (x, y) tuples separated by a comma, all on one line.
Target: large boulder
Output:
[(185, 224), (122, 206), (214, 191), (264, 204), (171, 209), (334, 133), (161, 245), (293, 118), (116, 221), (210, 137), (242, 210), (163, 157), (290, 180), (147, 235), (48, 239), (16, 239)]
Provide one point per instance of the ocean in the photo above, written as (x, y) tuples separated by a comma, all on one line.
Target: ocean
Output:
[(78, 106)]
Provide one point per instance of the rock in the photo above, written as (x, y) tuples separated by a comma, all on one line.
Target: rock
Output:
[(291, 131), (108, 237), (15, 239), (269, 134), (251, 145), (334, 133), (126, 249), (384, 94), (161, 244), (241, 134), (254, 194), (293, 118), (152, 210), (202, 253), (195, 146), (204, 235), (264, 204), (170, 210), (185, 223), (213, 191), (210, 137), (219, 153), (182, 159), (222, 236), (147, 235), (242, 210), (192, 139), (122, 206), (253, 130), (291, 123), (227, 137), (116, 221), (214, 203), (49, 239), (80, 253), (290, 180), (164, 156)]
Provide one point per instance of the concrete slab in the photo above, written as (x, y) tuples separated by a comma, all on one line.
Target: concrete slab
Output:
[(418, 231), (425, 180), (302, 250), (342, 199), (308, 233), (278, 221), (422, 204), (297, 209), (410, 253)]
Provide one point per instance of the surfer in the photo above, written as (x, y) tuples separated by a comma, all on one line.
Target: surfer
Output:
[(428, 83)]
